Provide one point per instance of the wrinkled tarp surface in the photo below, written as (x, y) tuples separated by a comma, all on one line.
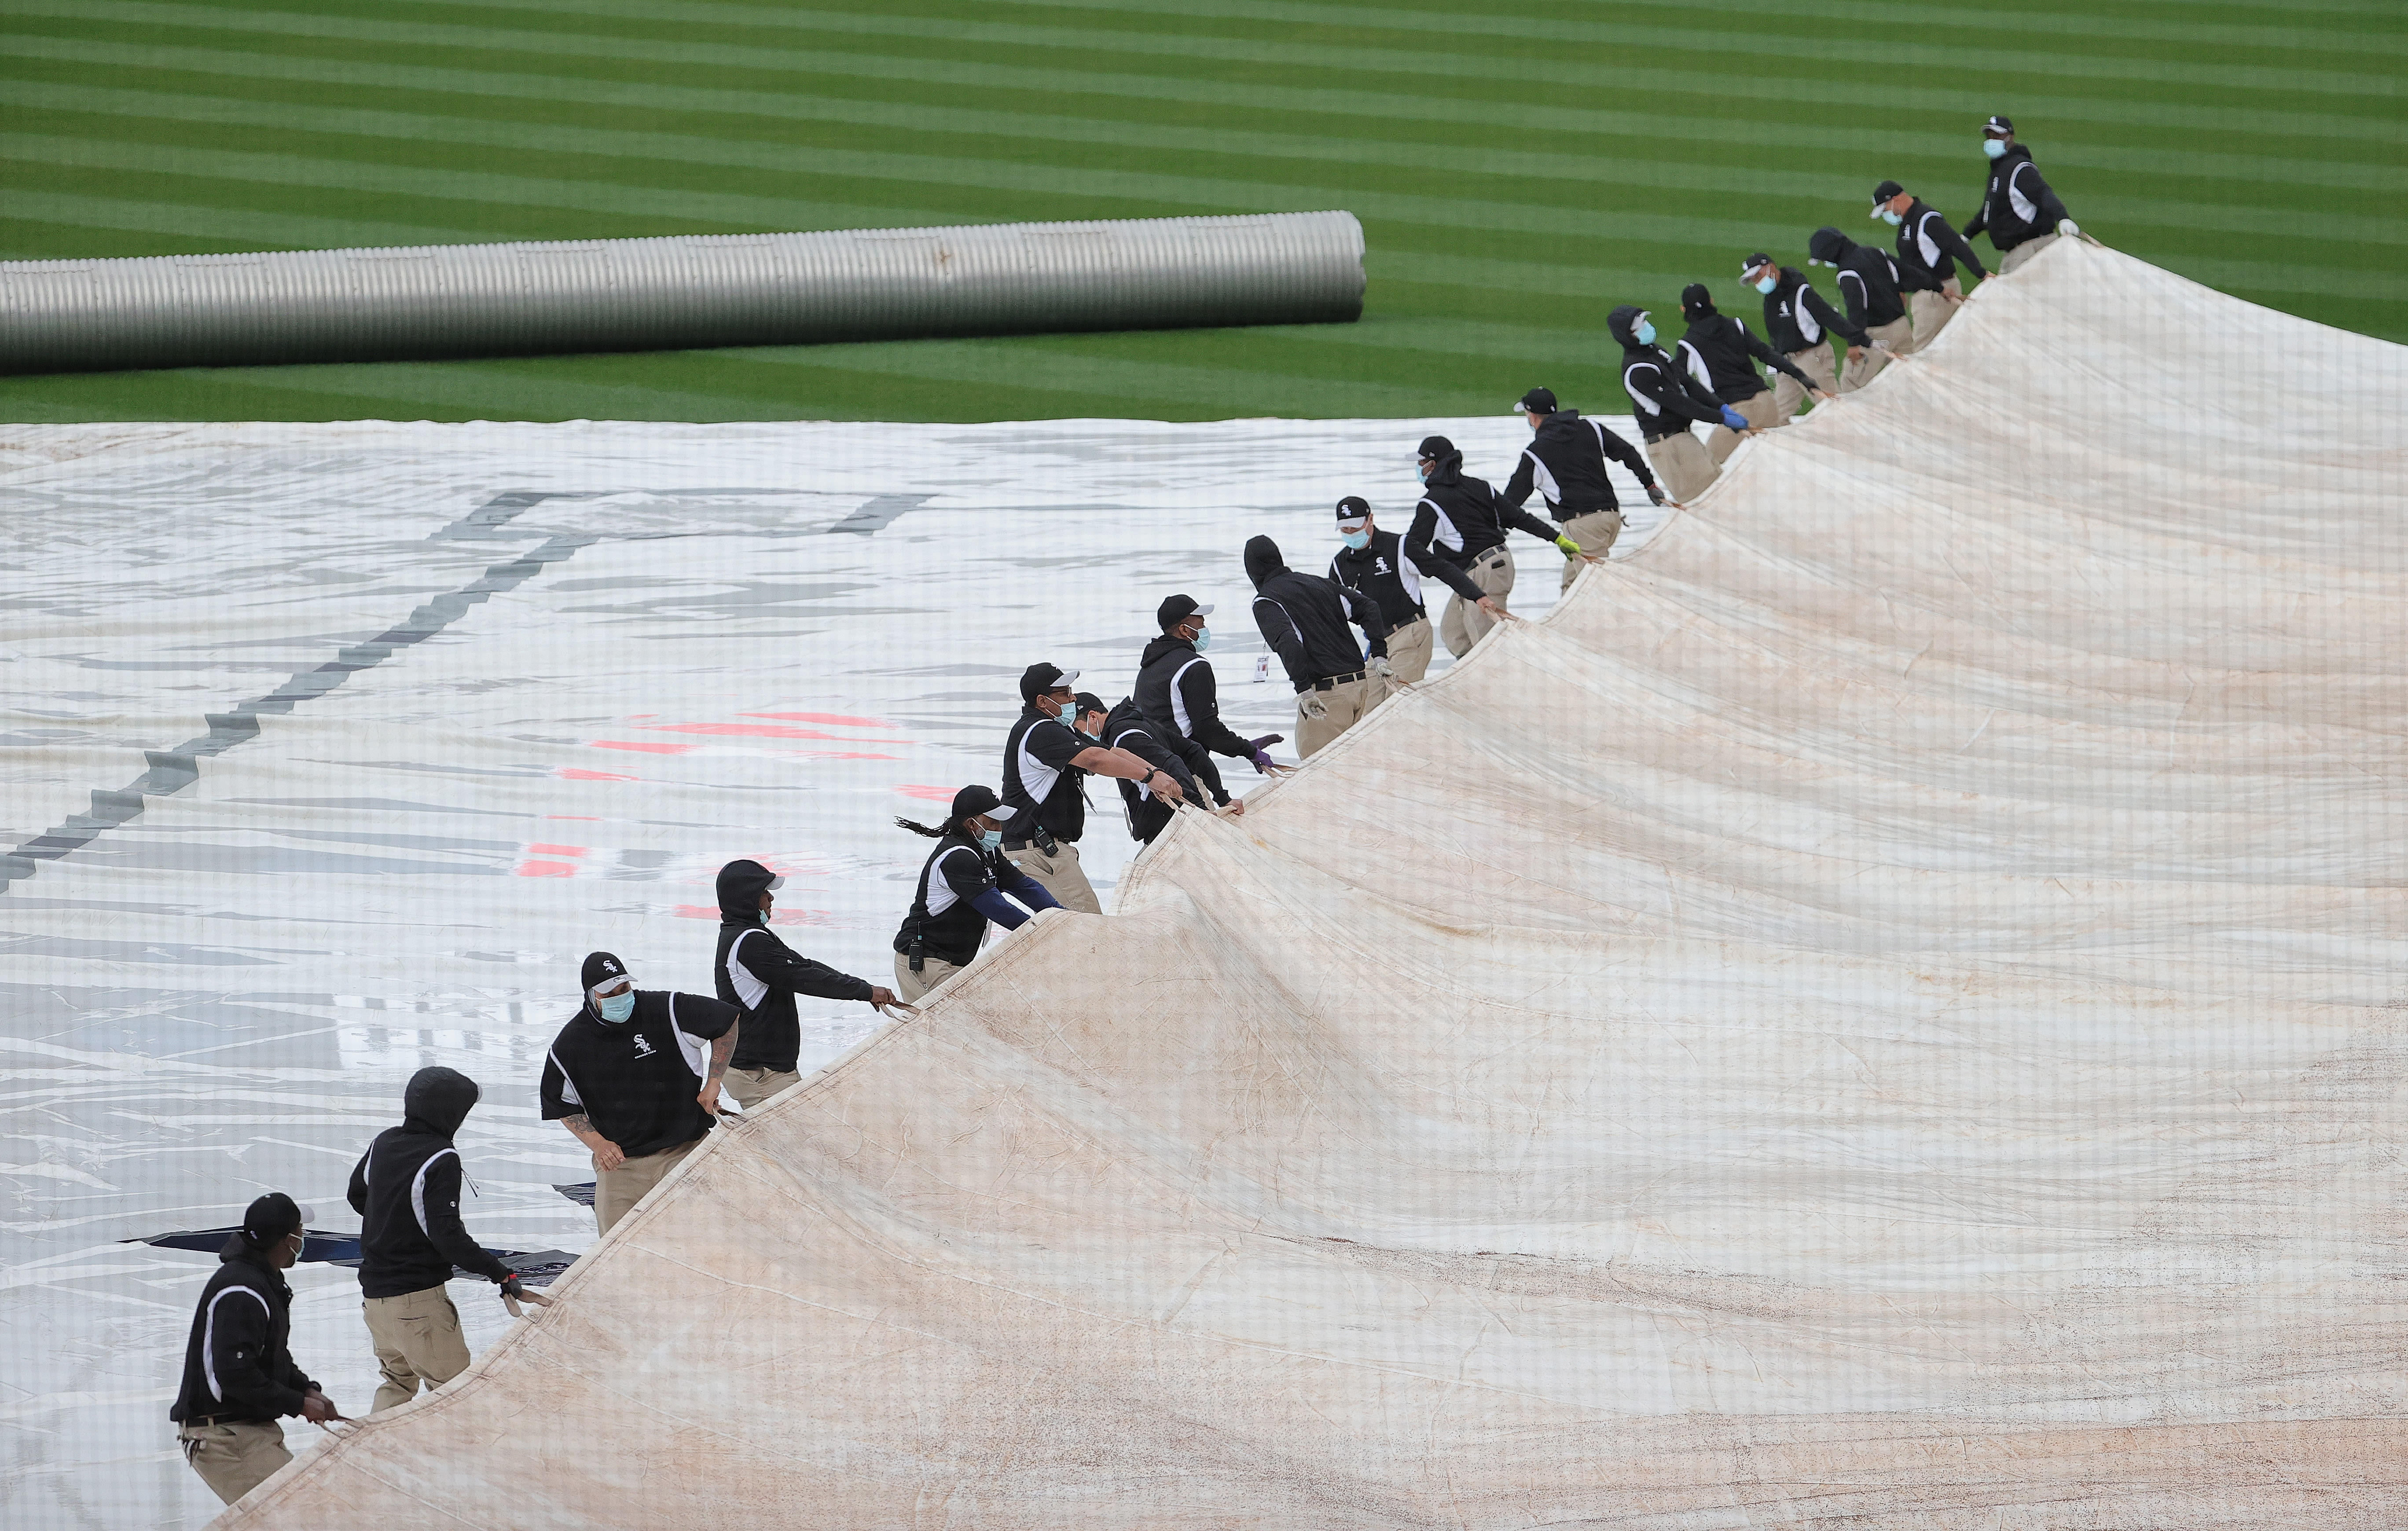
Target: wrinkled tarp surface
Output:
[(1884, 1009)]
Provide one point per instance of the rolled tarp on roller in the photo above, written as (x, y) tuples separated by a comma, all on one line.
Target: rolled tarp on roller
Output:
[(678, 293)]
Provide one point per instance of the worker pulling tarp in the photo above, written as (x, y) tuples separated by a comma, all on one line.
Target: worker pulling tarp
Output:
[(1882, 1010)]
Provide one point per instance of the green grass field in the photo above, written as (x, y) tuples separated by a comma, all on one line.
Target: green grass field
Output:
[(1519, 169)]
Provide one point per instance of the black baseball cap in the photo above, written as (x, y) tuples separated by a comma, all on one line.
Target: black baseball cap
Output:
[(1176, 609), (2002, 127), (1040, 679), (1881, 196), (1759, 258), (1087, 701), (1435, 449), (971, 800), (602, 969), (272, 1217), (1352, 510), (1538, 400)]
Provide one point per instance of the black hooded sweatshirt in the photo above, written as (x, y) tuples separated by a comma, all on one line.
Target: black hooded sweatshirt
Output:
[(1177, 693), (1565, 462), (406, 1190), (1797, 319), (1126, 728), (238, 1361), (1460, 518), (636, 1079), (760, 974), (1665, 397), (1720, 352), (1868, 278), (2017, 205), (1305, 618), (1930, 249)]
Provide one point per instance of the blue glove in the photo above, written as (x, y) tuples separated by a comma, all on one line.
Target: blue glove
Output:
[(1736, 420)]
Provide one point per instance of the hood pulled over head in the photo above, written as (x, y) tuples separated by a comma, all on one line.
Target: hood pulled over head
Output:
[(1829, 246), (1263, 560), (1622, 324), (741, 883), (1446, 463), (437, 1100)]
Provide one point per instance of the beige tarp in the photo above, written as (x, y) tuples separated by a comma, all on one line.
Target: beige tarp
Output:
[(1884, 1012)]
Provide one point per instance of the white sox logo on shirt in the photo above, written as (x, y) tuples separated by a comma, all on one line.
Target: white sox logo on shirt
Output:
[(643, 1046)]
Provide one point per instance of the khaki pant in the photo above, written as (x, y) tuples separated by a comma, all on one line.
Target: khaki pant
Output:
[(1683, 465), (2024, 252), (1815, 362), (1759, 411), (1595, 532), (418, 1343), (1409, 650), (750, 1087), (234, 1459), (1864, 367), (617, 1191), (910, 986), (1059, 874), (1463, 623), (1930, 312), (1342, 707)]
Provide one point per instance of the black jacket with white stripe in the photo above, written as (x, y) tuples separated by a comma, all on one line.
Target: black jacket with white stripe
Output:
[(1721, 354), (1040, 786), (238, 1362), (1381, 570), (1308, 620), (1126, 728), (1868, 278), (1930, 249), (636, 1079), (406, 1190), (1665, 397), (2017, 205), (962, 888), (1565, 462), (760, 974), (1176, 691), (1797, 319), (1459, 518)]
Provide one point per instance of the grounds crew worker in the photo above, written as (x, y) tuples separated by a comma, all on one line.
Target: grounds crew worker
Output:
[(1868, 281), (238, 1373), (1927, 249), (636, 1079), (1304, 619), (1045, 762), (1458, 537), (760, 974), (2021, 215), (1667, 399), (1177, 695), (406, 1190), (1126, 729), (1565, 462), (1720, 355), (961, 888), (1799, 325), (1374, 563)]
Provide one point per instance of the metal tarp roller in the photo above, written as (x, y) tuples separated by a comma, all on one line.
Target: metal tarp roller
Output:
[(678, 294)]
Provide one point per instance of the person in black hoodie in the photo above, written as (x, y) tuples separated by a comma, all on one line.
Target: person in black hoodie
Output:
[(1178, 694), (1868, 285), (239, 1375), (1928, 249), (2019, 212), (961, 891), (406, 1190), (1126, 729), (1458, 537), (1719, 352), (635, 1077), (1668, 400), (1798, 324), (1304, 619), (1565, 463), (760, 974), (1374, 563)]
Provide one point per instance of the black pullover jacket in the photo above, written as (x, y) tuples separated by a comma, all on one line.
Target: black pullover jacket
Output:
[(406, 1190), (1928, 248), (1665, 397), (2017, 205), (1379, 569), (1720, 352), (961, 888), (239, 1363), (760, 974), (1868, 278), (1305, 618), (1044, 791), (1797, 319), (1459, 519), (636, 1079), (1177, 693), (1126, 728), (1565, 462)]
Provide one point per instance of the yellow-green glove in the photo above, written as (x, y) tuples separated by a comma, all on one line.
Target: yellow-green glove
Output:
[(1572, 548)]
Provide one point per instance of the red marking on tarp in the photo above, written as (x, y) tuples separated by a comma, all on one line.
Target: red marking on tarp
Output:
[(546, 869), (757, 731), (570, 773), (777, 917), (556, 850), (931, 794), (844, 754), (649, 747), (837, 718)]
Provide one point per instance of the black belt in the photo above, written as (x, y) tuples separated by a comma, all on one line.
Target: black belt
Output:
[(1044, 838), (1331, 683), (207, 1420)]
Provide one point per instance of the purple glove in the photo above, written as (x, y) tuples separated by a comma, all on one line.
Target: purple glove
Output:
[(1259, 746), (1262, 764)]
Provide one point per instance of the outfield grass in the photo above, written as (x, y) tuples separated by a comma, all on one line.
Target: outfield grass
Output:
[(1519, 169)]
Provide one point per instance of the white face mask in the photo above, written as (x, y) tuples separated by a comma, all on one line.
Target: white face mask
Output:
[(1994, 147)]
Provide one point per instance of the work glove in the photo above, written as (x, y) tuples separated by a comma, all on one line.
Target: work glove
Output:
[(1656, 493), (1572, 548), (1736, 420), (1264, 764), (1378, 665), (2068, 227), (1312, 705), (513, 1292), (1259, 746)]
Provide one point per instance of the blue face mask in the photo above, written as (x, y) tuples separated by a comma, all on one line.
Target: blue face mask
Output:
[(1422, 473), (1357, 540), (991, 838), (1646, 333), (1893, 219), (765, 917), (1994, 147), (616, 1008), (1767, 284), (1203, 639)]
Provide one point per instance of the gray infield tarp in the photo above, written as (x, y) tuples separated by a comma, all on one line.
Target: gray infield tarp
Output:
[(1885, 1010)]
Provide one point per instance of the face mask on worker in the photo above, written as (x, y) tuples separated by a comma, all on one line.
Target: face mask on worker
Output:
[(1423, 473), (765, 917), (1203, 639), (1645, 332), (617, 1008), (1766, 283), (1357, 540), (1994, 147), (991, 839), (1893, 219)]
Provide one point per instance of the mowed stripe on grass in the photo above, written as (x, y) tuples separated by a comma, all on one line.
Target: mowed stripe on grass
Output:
[(1518, 173)]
